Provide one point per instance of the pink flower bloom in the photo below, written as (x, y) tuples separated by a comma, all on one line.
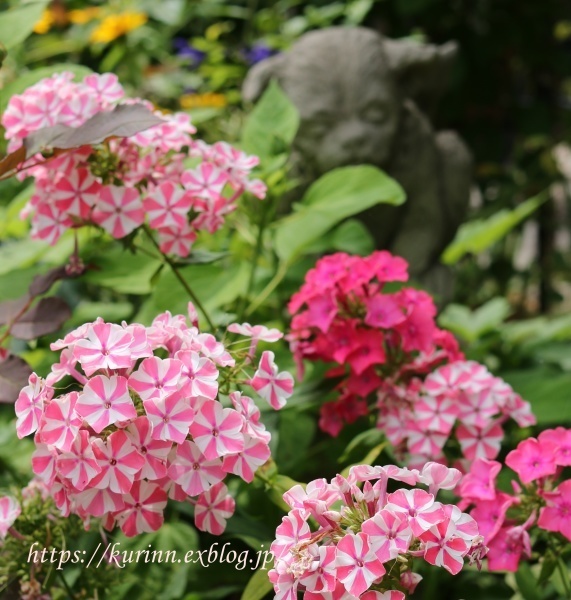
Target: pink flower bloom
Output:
[(419, 507), (532, 460), (444, 548), (76, 193), (322, 575), (369, 352), (561, 438), (245, 463), (256, 332), (156, 377), (105, 400), (155, 452), (167, 206), (213, 508), (251, 415), (272, 386), (177, 240), (357, 564), (107, 347), (388, 595), (480, 443), (44, 463), (205, 181), (389, 534), (384, 312), (143, 512), (99, 502), (170, 417), (198, 375), (556, 515), (30, 405), (507, 548), (119, 461), (49, 223), (9, 511), (439, 477), (79, 464), (106, 87), (60, 422), (480, 482), (217, 431), (119, 210), (190, 469), (292, 530), (491, 514), (438, 414)]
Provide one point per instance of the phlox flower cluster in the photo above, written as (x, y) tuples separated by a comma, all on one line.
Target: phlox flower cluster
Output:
[(542, 501), (354, 539), (392, 357), (124, 183), (132, 415)]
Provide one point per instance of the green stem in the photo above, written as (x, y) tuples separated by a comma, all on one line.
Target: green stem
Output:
[(181, 279), (564, 578), (272, 285), (255, 258)]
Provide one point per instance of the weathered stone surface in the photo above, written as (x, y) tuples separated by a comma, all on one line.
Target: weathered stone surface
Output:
[(364, 99)]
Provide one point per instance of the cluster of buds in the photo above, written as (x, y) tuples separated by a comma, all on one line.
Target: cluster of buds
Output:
[(346, 541), (542, 502), (124, 183), (392, 358), (131, 415)]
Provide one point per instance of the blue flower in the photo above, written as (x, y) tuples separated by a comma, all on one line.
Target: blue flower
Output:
[(185, 50), (258, 52)]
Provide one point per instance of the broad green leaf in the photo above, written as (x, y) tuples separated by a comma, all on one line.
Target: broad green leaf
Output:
[(20, 254), (547, 389), (471, 325), (18, 23), (369, 459), (271, 126), (478, 235), (366, 439), (339, 194), (29, 78), (258, 587), (527, 583)]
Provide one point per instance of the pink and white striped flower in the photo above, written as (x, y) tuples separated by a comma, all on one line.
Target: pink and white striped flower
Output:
[(60, 423), (170, 417), (107, 347), (143, 512), (104, 401), (246, 462), (251, 415), (119, 461), (30, 405), (213, 508), (357, 564), (155, 452), (79, 464), (322, 576), (9, 511), (205, 181), (49, 223), (480, 443), (177, 240), (192, 471), (418, 506), (156, 377), (272, 386), (199, 375), (119, 210), (99, 502), (444, 548), (217, 431), (44, 463), (389, 534), (76, 193), (167, 206), (106, 87)]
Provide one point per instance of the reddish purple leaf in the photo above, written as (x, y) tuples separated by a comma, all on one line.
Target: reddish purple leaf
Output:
[(14, 373), (47, 316), (42, 283), (11, 308)]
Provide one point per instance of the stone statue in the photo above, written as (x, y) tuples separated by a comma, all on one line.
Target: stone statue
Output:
[(364, 99)]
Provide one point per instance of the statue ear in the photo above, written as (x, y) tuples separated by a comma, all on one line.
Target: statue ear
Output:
[(422, 71), (259, 76)]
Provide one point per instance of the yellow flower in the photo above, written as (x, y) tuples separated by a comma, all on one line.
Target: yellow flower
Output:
[(115, 26), (84, 15), (210, 100), (45, 23)]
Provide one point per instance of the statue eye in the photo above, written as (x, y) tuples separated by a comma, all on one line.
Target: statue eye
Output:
[(374, 114)]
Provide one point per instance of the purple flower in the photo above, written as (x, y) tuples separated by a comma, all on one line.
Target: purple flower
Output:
[(185, 50), (257, 52)]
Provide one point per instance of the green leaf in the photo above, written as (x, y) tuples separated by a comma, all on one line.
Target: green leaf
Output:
[(258, 587), (548, 565), (339, 194), (365, 439), (478, 235), (547, 390), (18, 23), (526, 583), (30, 78), (272, 124), (471, 325)]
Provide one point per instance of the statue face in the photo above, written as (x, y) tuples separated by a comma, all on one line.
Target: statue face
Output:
[(347, 100)]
